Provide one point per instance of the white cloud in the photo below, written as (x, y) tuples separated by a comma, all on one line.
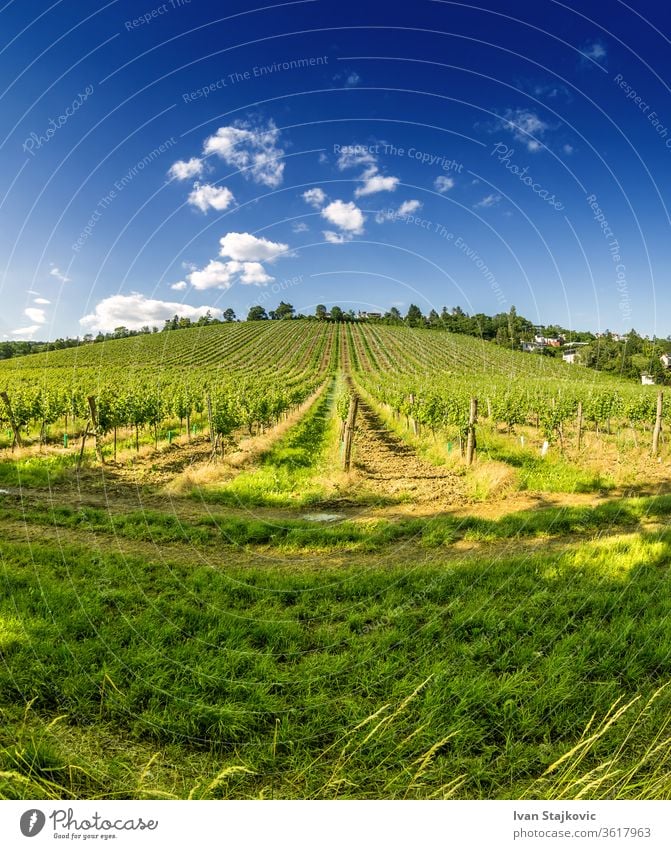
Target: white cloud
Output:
[(41, 301), (182, 170), (299, 227), (55, 272), (595, 50), (252, 149), (405, 209), (37, 316), (487, 202), (346, 216), (180, 286), (568, 149), (336, 238), (353, 155), (26, 331), (222, 275), (408, 207), (375, 182), (253, 273), (215, 275), (443, 184), (205, 196), (315, 197), (525, 126), (247, 248), (134, 311)]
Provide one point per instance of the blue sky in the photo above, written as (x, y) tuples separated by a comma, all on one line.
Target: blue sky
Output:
[(215, 155)]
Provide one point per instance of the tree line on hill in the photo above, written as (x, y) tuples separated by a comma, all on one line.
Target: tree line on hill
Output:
[(627, 355)]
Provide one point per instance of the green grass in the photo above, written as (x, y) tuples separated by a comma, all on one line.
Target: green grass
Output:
[(215, 530), (285, 475), (552, 473), (271, 669)]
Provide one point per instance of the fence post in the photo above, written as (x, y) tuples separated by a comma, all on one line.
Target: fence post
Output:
[(349, 432), (658, 425), (579, 423), (471, 442)]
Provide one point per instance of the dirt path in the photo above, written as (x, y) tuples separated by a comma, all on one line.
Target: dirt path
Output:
[(387, 466)]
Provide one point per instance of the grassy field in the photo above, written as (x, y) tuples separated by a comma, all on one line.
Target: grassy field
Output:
[(280, 628)]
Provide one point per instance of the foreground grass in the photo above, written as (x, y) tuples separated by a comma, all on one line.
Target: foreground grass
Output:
[(469, 678), (217, 529)]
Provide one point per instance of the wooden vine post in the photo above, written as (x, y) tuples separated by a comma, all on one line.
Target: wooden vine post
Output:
[(471, 442), (348, 436), (12, 420), (658, 425), (209, 416), (579, 425), (91, 429)]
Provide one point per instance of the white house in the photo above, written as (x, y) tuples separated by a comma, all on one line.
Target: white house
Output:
[(666, 360), (569, 357), (647, 380)]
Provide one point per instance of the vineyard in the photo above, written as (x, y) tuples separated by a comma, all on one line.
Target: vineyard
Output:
[(247, 376), (302, 559)]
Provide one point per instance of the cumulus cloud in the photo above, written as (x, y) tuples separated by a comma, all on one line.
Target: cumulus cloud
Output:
[(374, 182), (37, 316), (134, 311), (182, 170), (26, 331), (408, 207), (247, 248), (443, 184), (299, 227), (252, 148), (487, 202), (205, 196), (568, 149), (180, 286), (315, 197), (354, 155), (253, 273), (41, 301), (526, 127), (222, 275), (345, 216), (336, 238), (56, 272), (405, 209)]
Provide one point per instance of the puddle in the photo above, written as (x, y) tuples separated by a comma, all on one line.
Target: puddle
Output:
[(323, 517)]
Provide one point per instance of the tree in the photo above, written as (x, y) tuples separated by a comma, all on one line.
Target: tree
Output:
[(257, 313), (414, 317), (393, 316), (320, 311), (283, 311), (229, 315), (336, 314)]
